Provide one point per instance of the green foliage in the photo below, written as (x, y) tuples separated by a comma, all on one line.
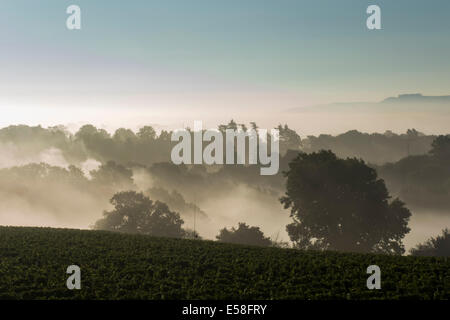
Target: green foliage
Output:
[(121, 266), (342, 205), (244, 234)]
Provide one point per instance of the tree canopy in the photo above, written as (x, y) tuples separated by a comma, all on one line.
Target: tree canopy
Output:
[(342, 205), (135, 213), (422, 180), (244, 234), (440, 148)]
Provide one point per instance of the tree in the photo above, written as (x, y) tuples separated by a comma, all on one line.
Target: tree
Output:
[(244, 234), (289, 139), (441, 148), (125, 136), (231, 125), (176, 201), (113, 175), (339, 204), (147, 133), (434, 247), (135, 213)]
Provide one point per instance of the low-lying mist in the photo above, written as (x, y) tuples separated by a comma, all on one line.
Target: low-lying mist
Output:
[(425, 223), (49, 177), (52, 196), (40, 195), (225, 205)]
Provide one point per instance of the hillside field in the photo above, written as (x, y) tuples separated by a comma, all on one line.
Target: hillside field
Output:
[(33, 263)]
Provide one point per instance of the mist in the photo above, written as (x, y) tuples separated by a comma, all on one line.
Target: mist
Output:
[(11, 155), (51, 203), (54, 178), (425, 223), (225, 205)]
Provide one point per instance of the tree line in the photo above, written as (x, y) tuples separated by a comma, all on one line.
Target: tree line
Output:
[(336, 202)]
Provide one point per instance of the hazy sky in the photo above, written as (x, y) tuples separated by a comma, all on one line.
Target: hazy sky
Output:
[(163, 61)]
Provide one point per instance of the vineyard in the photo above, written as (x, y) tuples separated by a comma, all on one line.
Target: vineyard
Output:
[(33, 263)]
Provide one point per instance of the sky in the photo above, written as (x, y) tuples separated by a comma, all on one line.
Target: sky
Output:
[(169, 62)]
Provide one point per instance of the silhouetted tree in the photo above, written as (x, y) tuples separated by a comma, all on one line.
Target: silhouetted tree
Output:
[(341, 204), (424, 180), (441, 148), (147, 133), (123, 135), (176, 201), (289, 139), (374, 148), (112, 174), (434, 247), (135, 213), (244, 234)]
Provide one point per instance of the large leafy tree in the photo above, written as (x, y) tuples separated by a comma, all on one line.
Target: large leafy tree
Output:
[(135, 213), (341, 205), (244, 234)]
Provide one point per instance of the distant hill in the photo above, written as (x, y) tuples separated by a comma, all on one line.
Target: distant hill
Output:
[(417, 98), (33, 263), (405, 102)]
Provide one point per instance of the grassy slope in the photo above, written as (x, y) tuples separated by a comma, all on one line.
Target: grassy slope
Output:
[(33, 264)]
